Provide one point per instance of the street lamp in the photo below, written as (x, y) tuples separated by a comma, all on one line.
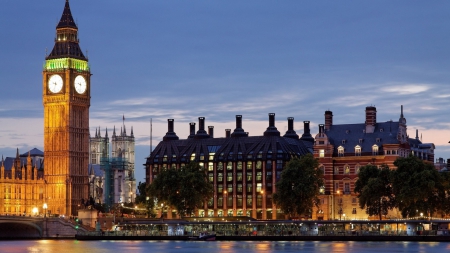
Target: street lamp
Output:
[(45, 209), (35, 211)]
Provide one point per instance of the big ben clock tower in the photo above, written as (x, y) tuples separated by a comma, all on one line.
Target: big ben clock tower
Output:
[(66, 99)]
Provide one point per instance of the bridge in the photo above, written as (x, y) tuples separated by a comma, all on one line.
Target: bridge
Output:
[(12, 227)]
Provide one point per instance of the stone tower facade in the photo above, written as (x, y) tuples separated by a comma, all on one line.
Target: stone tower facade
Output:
[(124, 181), (66, 98)]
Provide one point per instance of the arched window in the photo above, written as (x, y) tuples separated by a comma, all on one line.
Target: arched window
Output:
[(340, 151), (357, 167), (347, 169), (375, 149), (322, 168), (358, 150)]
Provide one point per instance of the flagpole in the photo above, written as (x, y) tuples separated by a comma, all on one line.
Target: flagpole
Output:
[(151, 131)]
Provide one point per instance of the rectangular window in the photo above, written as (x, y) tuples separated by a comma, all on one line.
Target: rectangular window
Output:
[(249, 176), (268, 165), (229, 177), (258, 187), (269, 187), (278, 175), (239, 176), (219, 177), (239, 200), (239, 188), (249, 188), (258, 165), (249, 201), (210, 166), (279, 164), (219, 188), (229, 166), (249, 165), (230, 188), (259, 176), (347, 188), (219, 202), (230, 201), (259, 201), (220, 166), (211, 177), (322, 153), (354, 211), (239, 166), (119, 184)]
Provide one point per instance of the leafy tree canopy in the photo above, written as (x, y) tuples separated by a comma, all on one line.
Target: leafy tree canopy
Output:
[(299, 186), (418, 187), (184, 189), (374, 190)]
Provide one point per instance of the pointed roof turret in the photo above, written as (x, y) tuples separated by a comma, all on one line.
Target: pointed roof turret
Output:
[(132, 135), (66, 18), (96, 133), (17, 153), (114, 132), (66, 41), (99, 133), (106, 134)]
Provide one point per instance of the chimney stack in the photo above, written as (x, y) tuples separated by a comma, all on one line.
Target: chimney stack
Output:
[(290, 133), (227, 133), (239, 132), (328, 119), (201, 133), (191, 130), (321, 128), (272, 130), (371, 119), (211, 131), (306, 136), (170, 135)]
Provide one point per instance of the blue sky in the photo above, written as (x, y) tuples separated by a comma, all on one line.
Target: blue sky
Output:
[(216, 59)]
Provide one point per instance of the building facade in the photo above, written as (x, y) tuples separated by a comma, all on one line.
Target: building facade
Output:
[(343, 149), (66, 99), (22, 184), (243, 169), (111, 168)]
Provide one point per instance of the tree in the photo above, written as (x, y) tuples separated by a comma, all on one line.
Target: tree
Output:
[(185, 189), (418, 187), (299, 185), (374, 190), (143, 201)]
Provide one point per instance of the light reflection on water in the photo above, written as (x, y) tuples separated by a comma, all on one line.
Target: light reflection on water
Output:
[(73, 246)]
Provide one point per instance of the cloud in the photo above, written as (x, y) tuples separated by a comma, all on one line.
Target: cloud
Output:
[(407, 89)]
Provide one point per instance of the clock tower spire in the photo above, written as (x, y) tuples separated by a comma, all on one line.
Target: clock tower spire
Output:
[(66, 98)]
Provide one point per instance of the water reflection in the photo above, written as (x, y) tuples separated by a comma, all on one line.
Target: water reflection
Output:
[(72, 246)]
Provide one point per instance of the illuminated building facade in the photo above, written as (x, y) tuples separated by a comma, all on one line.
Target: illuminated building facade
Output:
[(66, 99), (243, 169), (22, 185), (343, 149)]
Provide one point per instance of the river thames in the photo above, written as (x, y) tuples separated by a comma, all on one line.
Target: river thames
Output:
[(73, 246)]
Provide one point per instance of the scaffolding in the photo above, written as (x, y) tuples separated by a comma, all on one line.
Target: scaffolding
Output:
[(109, 166)]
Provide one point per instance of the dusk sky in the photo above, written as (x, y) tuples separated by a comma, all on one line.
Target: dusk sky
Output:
[(217, 59)]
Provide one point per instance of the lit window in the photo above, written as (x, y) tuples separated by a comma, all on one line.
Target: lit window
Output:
[(357, 167), (340, 151), (374, 150), (210, 166), (347, 169), (322, 153), (193, 157), (358, 150)]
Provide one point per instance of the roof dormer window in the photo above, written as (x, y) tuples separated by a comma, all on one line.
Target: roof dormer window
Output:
[(358, 150), (340, 151), (361, 141)]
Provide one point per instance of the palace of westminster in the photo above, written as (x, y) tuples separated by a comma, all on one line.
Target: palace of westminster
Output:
[(76, 166)]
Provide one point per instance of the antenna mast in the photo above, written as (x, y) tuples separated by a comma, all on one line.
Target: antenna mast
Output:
[(151, 130)]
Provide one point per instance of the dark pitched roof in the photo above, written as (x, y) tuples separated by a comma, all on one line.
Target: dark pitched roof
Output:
[(350, 135), (228, 149), (33, 152), (66, 20)]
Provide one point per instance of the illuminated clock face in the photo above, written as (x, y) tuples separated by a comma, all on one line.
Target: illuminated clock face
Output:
[(55, 83), (80, 84)]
